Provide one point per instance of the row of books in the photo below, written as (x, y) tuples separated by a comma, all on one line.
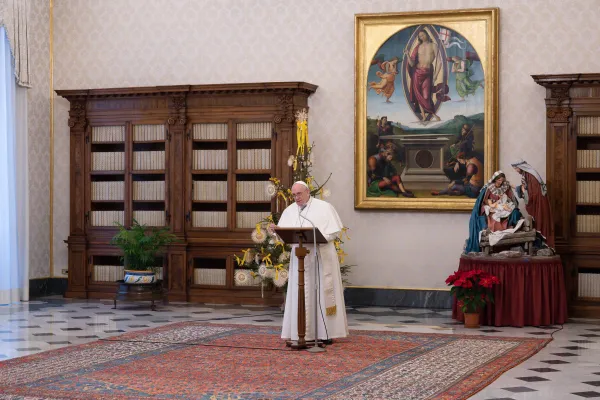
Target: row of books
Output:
[(108, 190), (218, 219), (203, 159), (245, 130), (588, 158), (210, 159), (102, 134), (148, 160), (150, 218), (146, 133), (149, 190), (254, 159), (588, 285), (588, 126), (107, 218), (248, 219), (209, 131), (252, 191), (108, 161), (210, 276), (209, 219), (588, 192), (108, 273), (254, 130), (588, 223), (114, 273), (209, 190)]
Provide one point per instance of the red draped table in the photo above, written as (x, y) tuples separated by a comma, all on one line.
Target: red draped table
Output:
[(531, 291)]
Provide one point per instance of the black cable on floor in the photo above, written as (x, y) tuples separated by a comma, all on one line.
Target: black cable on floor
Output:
[(553, 332)]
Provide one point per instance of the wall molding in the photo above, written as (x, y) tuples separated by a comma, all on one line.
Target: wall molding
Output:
[(43, 287), (392, 297)]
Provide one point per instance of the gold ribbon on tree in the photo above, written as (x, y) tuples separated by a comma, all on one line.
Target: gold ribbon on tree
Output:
[(301, 131), (278, 267)]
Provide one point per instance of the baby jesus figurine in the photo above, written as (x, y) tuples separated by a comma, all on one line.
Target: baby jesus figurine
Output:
[(499, 209)]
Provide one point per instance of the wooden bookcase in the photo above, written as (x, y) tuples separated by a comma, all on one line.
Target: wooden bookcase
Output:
[(195, 158), (573, 175)]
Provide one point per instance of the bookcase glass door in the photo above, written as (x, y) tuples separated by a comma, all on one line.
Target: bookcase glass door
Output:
[(253, 169), (106, 176), (587, 204), (209, 271), (210, 175), (106, 269), (148, 172)]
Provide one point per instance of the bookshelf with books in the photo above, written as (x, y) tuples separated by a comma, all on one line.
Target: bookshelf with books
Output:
[(573, 175), (196, 158)]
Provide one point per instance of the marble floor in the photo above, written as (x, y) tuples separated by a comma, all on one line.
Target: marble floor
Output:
[(568, 368)]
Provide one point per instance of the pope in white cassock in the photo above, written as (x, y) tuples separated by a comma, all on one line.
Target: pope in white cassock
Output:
[(331, 314)]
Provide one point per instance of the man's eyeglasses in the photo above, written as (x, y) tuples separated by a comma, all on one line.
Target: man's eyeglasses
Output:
[(296, 194)]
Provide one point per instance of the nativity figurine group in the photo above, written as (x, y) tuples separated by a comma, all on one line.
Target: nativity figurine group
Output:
[(497, 222)]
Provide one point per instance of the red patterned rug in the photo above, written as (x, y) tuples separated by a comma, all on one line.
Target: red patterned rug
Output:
[(208, 361)]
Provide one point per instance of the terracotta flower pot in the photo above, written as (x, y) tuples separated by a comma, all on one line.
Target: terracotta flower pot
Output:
[(471, 320)]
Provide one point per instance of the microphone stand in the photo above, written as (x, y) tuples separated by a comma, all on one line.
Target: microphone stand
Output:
[(315, 348)]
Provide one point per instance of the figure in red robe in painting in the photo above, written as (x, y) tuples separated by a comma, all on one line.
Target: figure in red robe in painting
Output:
[(533, 192), (421, 69)]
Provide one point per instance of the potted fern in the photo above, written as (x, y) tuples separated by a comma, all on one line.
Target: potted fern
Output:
[(141, 245)]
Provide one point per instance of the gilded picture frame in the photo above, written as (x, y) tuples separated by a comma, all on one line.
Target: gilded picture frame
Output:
[(426, 108)]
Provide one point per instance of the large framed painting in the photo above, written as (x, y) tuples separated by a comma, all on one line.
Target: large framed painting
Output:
[(426, 118)]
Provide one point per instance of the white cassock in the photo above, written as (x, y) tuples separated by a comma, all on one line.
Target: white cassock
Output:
[(331, 313)]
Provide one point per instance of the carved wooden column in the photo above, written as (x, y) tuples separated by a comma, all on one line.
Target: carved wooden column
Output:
[(176, 122), (558, 142), (286, 139), (78, 215)]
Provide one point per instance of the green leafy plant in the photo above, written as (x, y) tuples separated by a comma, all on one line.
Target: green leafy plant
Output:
[(141, 245)]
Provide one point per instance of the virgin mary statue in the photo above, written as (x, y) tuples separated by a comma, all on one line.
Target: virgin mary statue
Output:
[(495, 209)]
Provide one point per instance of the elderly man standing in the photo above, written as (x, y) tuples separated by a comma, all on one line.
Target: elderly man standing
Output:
[(331, 311)]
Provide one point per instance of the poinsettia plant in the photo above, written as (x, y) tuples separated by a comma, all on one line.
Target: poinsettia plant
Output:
[(473, 289)]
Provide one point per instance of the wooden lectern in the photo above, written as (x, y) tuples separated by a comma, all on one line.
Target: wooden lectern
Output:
[(301, 236)]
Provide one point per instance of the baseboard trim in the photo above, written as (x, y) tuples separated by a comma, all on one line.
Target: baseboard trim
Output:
[(47, 287), (435, 299)]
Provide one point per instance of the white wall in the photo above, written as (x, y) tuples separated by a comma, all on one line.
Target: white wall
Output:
[(116, 43)]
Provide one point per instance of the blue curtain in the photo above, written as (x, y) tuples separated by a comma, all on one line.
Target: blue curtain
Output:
[(11, 268)]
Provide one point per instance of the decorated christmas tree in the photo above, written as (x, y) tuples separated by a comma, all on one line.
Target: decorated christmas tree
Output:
[(269, 259)]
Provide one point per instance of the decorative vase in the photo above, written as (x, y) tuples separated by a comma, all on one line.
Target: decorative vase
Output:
[(472, 320), (139, 277)]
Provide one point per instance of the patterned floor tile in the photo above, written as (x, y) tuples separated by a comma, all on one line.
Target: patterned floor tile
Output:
[(532, 379), (519, 389), (542, 370), (587, 395)]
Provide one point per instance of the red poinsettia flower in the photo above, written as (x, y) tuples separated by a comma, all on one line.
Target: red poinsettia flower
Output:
[(452, 278)]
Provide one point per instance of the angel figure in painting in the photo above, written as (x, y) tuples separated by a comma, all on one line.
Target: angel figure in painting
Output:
[(462, 69), (385, 87), (533, 191), (495, 209)]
